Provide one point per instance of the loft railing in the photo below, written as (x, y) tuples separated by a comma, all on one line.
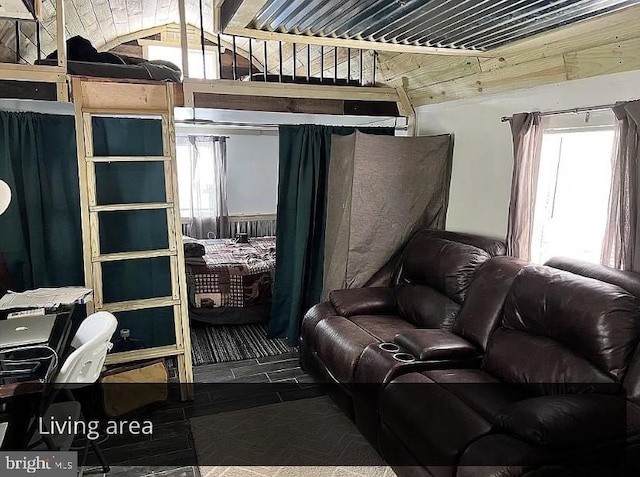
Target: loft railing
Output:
[(276, 72)]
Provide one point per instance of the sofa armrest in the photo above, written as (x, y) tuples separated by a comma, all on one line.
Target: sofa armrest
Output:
[(436, 344), (364, 301), (566, 420)]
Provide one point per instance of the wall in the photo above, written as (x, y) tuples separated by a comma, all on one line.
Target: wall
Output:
[(483, 156), (252, 174)]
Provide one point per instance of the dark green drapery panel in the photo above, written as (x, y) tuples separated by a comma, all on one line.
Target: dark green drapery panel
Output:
[(302, 200), (40, 233)]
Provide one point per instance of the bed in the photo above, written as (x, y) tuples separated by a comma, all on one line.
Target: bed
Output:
[(229, 282)]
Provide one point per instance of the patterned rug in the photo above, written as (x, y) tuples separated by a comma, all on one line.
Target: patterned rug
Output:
[(222, 343), (309, 437)]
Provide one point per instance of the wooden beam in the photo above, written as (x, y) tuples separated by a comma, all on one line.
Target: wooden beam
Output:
[(136, 35), (526, 75), (601, 46), (346, 43), (52, 74), (406, 108), (279, 90), (268, 103), (245, 13), (295, 105), (603, 60), (184, 41), (61, 37), (144, 98), (217, 16), (615, 27)]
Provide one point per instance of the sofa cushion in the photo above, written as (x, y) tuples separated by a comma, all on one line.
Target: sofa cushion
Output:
[(492, 246), (339, 344), (501, 455), (364, 301), (566, 421), (425, 307), (444, 265), (629, 281), (482, 310), (382, 327), (478, 389), (594, 319), (542, 365), (433, 424)]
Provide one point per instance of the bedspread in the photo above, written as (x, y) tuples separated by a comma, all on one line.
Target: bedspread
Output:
[(230, 274)]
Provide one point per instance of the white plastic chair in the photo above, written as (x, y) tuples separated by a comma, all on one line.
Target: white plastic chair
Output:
[(92, 341)]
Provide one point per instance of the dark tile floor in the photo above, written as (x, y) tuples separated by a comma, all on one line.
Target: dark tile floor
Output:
[(170, 451)]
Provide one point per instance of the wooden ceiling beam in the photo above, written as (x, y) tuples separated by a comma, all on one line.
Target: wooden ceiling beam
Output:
[(244, 14), (292, 90)]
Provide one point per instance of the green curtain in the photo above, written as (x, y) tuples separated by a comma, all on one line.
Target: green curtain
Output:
[(40, 233), (302, 198)]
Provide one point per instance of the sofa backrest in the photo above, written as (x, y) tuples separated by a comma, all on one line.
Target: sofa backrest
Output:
[(445, 261), (629, 281), (564, 333), (484, 303)]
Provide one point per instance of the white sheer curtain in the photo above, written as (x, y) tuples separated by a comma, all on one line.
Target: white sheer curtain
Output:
[(527, 143), (202, 177), (621, 247)]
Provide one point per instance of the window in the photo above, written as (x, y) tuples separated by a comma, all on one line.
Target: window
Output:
[(573, 191), (196, 66), (197, 177)]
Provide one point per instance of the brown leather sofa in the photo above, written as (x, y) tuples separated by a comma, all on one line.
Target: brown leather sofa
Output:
[(427, 292), (435, 314), (558, 384), (558, 388)]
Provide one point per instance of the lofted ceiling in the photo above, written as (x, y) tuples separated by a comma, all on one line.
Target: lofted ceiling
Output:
[(101, 21)]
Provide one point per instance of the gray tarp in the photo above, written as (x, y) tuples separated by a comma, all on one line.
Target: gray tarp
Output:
[(381, 190)]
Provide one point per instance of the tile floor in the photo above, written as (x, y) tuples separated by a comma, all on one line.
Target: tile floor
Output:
[(170, 451)]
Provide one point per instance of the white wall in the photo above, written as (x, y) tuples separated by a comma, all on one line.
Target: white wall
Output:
[(252, 174), (483, 155)]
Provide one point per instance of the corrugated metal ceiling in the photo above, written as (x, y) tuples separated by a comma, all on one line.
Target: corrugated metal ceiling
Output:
[(464, 24)]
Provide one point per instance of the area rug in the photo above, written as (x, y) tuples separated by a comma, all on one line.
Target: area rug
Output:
[(222, 343), (308, 437)]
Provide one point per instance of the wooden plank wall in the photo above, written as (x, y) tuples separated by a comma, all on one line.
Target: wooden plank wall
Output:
[(606, 45)]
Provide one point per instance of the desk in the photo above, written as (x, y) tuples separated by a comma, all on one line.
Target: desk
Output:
[(24, 397)]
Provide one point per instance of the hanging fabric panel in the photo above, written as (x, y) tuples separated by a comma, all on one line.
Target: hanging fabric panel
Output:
[(381, 190)]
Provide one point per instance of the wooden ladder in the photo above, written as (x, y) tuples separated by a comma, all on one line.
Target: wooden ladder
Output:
[(99, 97)]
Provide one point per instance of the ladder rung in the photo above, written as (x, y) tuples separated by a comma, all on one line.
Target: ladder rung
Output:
[(114, 257), (135, 206), (128, 159), (132, 305), (141, 354), (124, 112)]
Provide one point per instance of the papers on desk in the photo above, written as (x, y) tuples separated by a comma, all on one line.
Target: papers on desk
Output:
[(46, 297)]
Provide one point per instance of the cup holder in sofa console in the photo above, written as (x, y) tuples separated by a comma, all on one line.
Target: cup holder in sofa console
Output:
[(404, 357), (389, 347)]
